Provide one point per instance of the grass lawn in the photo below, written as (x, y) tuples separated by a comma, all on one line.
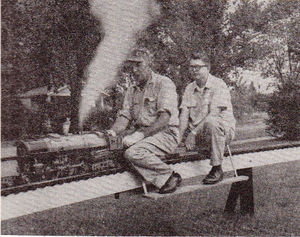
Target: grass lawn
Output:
[(277, 212), (252, 127)]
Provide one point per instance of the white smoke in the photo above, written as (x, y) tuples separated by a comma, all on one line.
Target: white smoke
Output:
[(121, 20)]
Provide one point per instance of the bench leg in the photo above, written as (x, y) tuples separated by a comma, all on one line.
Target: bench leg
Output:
[(144, 187), (244, 191)]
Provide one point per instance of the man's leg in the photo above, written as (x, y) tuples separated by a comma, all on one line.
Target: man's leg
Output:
[(215, 136), (145, 157)]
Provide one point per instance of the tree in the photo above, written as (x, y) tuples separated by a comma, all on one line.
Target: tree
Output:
[(45, 43), (51, 42), (283, 63), (185, 27), (277, 54)]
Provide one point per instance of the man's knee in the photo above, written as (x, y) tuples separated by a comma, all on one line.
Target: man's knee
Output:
[(129, 153), (211, 124), (212, 127), (134, 152)]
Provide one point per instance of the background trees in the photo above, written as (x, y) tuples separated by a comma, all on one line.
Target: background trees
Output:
[(266, 38), (282, 41), (43, 43), (50, 43), (276, 49)]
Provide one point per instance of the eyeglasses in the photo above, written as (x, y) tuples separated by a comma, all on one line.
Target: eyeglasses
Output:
[(131, 65), (197, 67)]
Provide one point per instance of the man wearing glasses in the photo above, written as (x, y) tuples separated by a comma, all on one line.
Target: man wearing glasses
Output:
[(206, 115)]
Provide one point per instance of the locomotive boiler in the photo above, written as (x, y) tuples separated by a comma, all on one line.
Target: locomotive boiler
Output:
[(56, 157)]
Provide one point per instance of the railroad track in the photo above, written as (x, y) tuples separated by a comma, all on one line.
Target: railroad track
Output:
[(179, 156)]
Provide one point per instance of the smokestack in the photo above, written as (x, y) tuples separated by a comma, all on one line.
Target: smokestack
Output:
[(122, 21)]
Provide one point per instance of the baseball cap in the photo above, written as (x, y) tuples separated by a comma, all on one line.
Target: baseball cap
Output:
[(139, 55)]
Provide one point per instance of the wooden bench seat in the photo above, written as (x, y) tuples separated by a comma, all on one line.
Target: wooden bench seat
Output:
[(199, 186)]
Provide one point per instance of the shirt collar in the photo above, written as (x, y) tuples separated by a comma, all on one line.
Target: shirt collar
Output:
[(151, 81), (208, 84)]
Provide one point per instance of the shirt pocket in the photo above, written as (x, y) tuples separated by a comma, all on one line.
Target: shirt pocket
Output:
[(192, 102), (206, 105), (150, 105)]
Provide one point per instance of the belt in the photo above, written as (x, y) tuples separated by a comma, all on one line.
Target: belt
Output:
[(173, 126)]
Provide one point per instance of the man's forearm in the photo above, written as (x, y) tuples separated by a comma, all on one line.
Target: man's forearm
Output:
[(199, 127), (161, 123), (215, 113), (184, 121)]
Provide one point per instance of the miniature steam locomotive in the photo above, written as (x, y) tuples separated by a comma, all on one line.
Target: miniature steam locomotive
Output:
[(58, 158), (55, 157)]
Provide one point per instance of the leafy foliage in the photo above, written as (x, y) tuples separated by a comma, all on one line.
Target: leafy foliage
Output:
[(283, 63), (267, 39), (284, 115), (43, 40), (44, 43), (185, 27), (50, 43)]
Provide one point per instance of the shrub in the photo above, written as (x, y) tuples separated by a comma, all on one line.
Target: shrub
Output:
[(284, 111)]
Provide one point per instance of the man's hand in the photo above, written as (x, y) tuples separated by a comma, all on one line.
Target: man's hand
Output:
[(111, 133), (190, 141), (98, 133), (133, 138)]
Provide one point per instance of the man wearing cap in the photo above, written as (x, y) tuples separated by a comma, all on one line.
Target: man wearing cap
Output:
[(206, 111), (150, 107)]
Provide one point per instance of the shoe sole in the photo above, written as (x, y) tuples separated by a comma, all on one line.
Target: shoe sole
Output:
[(179, 179), (170, 191), (212, 182)]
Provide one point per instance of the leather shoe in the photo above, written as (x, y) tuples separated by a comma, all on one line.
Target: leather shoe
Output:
[(172, 183), (214, 176)]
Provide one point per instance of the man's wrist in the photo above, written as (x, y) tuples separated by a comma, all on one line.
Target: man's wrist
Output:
[(141, 133)]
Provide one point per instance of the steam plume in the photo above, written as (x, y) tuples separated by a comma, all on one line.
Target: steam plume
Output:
[(121, 21)]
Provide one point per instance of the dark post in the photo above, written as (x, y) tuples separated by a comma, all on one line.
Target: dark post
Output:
[(244, 191)]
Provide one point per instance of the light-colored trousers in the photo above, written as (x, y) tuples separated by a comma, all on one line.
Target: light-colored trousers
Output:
[(215, 135), (146, 155)]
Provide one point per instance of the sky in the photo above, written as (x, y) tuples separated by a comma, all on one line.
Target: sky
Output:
[(261, 84), (234, 3)]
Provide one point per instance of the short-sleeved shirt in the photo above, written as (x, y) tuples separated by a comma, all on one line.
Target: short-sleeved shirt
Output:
[(209, 99), (143, 107)]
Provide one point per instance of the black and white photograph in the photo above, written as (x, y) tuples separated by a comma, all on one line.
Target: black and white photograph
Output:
[(150, 117)]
